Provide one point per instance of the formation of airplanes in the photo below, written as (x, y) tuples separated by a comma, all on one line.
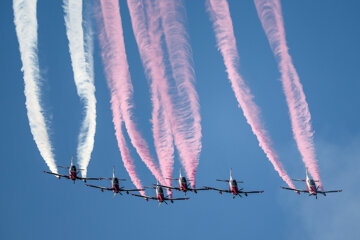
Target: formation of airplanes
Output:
[(311, 188)]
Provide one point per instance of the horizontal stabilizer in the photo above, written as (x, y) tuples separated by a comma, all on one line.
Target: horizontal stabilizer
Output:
[(222, 180), (299, 180)]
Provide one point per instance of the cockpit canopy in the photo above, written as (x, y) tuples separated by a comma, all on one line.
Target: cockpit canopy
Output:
[(116, 180), (73, 168), (233, 183), (159, 189), (183, 179)]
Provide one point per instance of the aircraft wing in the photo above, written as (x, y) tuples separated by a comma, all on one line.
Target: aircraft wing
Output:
[(102, 188), (332, 191), (146, 197), (56, 174), (172, 199), (109, 178), (199, 189), (131, 190), (217, 189), (176, 188), (251, 192), (81, 178), (294, 189)]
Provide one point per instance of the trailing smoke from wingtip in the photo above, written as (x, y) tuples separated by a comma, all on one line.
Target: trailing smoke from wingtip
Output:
[(148, 38), (226, 42), (187, 130), (80, 46), (269, 12), (26, 31), (119, 80)]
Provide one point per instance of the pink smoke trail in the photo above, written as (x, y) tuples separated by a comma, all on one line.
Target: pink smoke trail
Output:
[(270, 15), (188, 127), (124, 151), (148, 38), (222, 24), (118, 76)]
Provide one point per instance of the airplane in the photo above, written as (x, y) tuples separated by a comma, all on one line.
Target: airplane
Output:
[(115, 187), (159, 196), (73, 173), (312, 189), (233, 187), (183, 185)]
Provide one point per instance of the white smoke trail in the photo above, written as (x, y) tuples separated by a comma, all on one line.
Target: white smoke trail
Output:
[(26, 30), (81, 59)]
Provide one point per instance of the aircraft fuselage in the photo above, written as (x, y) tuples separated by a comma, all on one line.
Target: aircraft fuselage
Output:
[(183, 184), (115, 185), (160, 194), (311, 186), (233, 187), (72, 172)]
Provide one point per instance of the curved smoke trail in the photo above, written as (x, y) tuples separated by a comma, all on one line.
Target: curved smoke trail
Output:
[(222, 23), (118, 78), (124, 151), (26, 30), (148, 38), (188, 139), (270, 15), (81, 59)]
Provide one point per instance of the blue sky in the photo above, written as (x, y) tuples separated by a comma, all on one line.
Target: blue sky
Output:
[(323, 39)]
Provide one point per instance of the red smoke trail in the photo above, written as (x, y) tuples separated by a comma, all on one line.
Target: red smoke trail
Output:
[(187, 131), (271, 18), (118, 76), (222, 23), (148, 38)]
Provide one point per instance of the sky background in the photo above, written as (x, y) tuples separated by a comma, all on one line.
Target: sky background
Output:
[(323, 37)]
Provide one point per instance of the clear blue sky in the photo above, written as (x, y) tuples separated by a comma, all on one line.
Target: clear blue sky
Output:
[(323, 38)]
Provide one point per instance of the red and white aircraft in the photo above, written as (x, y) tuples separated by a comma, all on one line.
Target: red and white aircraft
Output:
[(159, 196), (312, 189), (233, 187), (73, 173), (183, 185), (115, 187)]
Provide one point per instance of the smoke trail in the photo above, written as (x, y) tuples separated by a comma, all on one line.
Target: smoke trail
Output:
[(148, 38), (124, 151), (26, 30), (186, 100), (118, 76), (222, 23), (81, 59), (271, 18)]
